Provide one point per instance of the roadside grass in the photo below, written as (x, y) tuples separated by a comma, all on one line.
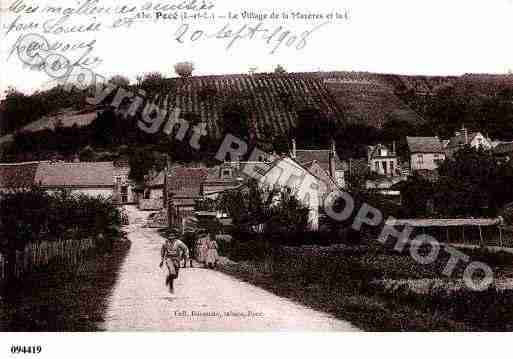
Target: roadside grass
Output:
[(345, 282), (60, 298)]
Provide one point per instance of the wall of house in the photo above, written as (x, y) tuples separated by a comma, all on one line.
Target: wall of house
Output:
[(286, 173), (151, 204), (480, 140), (121, 180), (91, 192), (376, 166), (425, 161), (156, 193), (217, 187), (340, 179)]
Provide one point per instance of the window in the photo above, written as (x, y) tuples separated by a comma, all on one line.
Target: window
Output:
[(420, 158), (118, 180), (226, 173)]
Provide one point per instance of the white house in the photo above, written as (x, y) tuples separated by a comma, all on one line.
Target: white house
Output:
[(287, 173), (382, 160), (426, 153), (463, 137), (90, 178)]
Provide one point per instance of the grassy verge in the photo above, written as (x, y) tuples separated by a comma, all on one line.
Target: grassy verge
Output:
[(341, 281), (63, 299)]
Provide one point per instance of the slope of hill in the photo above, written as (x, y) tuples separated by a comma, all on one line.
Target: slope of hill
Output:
[(273, 100)]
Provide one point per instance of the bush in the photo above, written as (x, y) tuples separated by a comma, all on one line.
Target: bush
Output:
[(35, 215)]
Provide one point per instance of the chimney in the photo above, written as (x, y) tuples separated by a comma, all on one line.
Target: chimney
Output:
[(293, 148), (332, 164), (393, 148)]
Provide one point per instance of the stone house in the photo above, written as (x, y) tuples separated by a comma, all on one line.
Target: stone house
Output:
[(426, 153)]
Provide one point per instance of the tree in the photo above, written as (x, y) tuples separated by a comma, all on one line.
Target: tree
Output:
[(184, 69), (235, 119), (313, 128), (278, 208), (120, 80), (468, 184), (142, 161), (87, 154), (279, 69)]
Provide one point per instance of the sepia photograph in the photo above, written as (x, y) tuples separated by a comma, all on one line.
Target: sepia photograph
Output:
[(272, 166)]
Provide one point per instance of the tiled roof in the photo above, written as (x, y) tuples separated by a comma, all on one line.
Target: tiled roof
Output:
[(424, 144), (79, 174), (459, 140), (322, 157), (157, 180), (17, 175), (237, 171), (373, 151), (505, 147), (186, 181)]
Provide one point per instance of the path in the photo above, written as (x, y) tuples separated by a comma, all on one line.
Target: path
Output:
[(202, 298)]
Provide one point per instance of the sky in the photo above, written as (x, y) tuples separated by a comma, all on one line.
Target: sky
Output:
[(405, 37)]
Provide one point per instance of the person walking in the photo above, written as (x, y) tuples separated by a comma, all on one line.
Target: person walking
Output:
[(171, 253)]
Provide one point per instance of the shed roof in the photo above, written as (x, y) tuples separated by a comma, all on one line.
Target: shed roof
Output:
[(424, 144)]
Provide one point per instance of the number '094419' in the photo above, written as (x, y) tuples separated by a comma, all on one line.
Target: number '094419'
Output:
[(26, 349)]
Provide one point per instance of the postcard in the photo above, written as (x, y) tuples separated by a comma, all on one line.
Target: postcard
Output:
[(272, 166)]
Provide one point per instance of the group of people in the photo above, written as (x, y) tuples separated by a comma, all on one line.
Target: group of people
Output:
[(174, 251)]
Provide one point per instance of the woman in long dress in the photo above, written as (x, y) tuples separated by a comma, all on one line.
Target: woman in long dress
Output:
[(212, 254), (201, 249)]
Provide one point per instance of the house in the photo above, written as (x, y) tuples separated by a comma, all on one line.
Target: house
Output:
[(327, 160), (183, 190), (286, 172), (426, 153), (383, 161), (464, 137), (90, 178), (503, 151), (153, 194), (228, 175)]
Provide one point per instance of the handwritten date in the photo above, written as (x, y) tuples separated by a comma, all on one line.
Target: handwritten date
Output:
[(276, 38)]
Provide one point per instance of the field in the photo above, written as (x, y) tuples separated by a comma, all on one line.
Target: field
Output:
[(378, 289)]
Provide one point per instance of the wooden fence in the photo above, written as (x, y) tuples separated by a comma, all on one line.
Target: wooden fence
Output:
[(475, 231), (37, 254)]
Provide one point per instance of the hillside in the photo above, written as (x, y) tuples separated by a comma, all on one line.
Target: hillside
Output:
[(274, 100)]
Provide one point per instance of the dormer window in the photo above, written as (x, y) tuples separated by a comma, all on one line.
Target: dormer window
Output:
[(226, 172)]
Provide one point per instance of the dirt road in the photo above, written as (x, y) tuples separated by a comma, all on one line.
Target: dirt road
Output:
[(204, 300)]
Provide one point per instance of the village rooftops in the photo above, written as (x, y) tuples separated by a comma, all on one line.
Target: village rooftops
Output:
[(57, 174), (186, 181), (503, 148), (424, 145), (157, 180), (380, 151), (322, 157), (75, 174)]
